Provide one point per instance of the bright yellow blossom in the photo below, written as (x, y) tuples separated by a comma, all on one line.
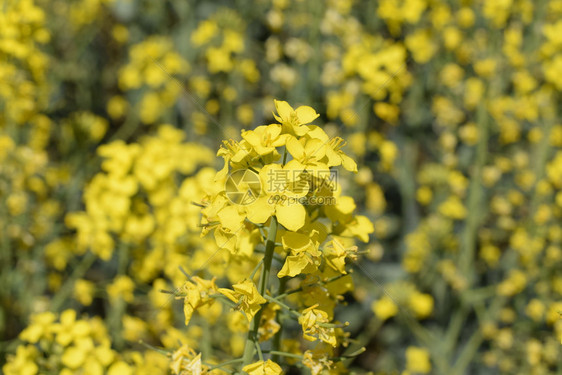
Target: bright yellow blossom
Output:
[(313, 322), (384, 308), (294, 121), (263, 368), (197, 294), (417, 360), (246, 296)]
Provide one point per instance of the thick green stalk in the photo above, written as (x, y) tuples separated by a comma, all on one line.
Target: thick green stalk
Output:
[(66, 290), (475, 204), (277, 338), (268, 257), (469, 237), (406, 177), (252, 339)]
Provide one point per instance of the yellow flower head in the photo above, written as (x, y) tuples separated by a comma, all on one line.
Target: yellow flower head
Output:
[(247, 296), (197, 294), (317, 360), (417, 360), (186, 361), (265, 139), (263, 368), (384, 308), (335, 254), (313, 322), (304, 252), (294, 121)]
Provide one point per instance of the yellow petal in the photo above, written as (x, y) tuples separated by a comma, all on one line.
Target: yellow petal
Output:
[(293, 266), (225, 240), (120, 368), (316, 132), (295, 241), (384, 308), (240, 155), (294, 170), (348, 163), (295, 148), (220, 177), (254, 368), (306, 114), (345, 204), (263, 368), (281, 140), (315, 148), (251, 311), (230, 218), (268, 177), (335, 260), (230, 294), (361, 227), (272, 368), (246, 287), (274, 130), (251, 137), (73, 357), (260, 210), (318, 169), (334, 159), (188, 312), (297, 185), (291, 215), (283, 109), (68, 317), (301, 130), (342, 210)]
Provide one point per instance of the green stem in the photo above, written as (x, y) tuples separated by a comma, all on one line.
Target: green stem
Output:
[(66, 290), (206, 347), (283, 354), (406, 177), (223, 299), (300, 289), (540, 158), (117, 308), (476, 214), (268, 257), (260, 354), (253, 274), (466, 355), (231, 362), (454, 329), (476, 211), (351, 356), (279, 317), (128, 128), (275, 256), (252, 339), (286, 307)]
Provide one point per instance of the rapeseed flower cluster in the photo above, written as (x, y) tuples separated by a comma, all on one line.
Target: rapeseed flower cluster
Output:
[(282, 170), (152, 67), (66, 344)]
